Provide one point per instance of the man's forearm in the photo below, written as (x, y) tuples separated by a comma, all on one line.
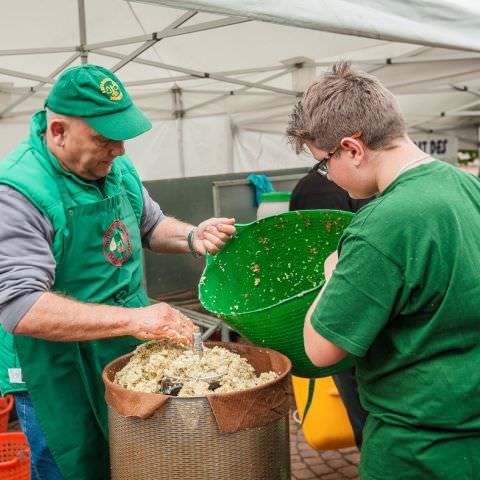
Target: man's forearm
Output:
[(170, 236), (57, 318)]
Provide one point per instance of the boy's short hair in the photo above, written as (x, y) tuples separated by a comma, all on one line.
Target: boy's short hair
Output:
[(342, 102)]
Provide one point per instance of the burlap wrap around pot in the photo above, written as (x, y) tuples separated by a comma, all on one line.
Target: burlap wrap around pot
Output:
[(233, 411), (224, 436)]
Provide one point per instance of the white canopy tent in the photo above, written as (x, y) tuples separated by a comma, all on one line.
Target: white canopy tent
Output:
[(219, 77)]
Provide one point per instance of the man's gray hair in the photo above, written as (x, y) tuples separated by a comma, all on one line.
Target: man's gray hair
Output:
[(342, 102)]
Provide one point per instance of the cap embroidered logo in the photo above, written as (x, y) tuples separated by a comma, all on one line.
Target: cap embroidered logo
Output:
[(110, 88)]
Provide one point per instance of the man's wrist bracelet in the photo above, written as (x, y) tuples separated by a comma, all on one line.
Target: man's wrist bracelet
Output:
[(190, 235)]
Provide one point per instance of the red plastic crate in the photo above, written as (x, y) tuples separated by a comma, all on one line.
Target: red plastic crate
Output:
[(14, 456), (6, 405)]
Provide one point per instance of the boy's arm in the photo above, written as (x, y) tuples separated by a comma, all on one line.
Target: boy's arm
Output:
[(321, 351)]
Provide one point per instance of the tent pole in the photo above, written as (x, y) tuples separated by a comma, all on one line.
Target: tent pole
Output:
[(234, 92), (194, 74), (181, 152), (153, 63), (34, 89), (25, 76), (448, 130), (173, 32), (83, 31), (157, 37), (432, 78), (463, 107), (36, 51), (179, 113), (443, 114), (466, 113), (213, 76), (138, 51)]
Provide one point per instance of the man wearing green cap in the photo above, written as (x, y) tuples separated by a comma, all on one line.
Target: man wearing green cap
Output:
[(75, 216)]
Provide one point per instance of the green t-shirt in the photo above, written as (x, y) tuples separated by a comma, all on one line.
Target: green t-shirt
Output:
[(405, 300)]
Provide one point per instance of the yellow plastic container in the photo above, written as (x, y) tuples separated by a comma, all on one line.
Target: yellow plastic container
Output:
[(326, 426)]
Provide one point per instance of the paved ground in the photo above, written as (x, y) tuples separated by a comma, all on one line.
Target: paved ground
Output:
[(310, 464)]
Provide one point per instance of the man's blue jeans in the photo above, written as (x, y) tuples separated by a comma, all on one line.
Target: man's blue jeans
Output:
[(43, 466)]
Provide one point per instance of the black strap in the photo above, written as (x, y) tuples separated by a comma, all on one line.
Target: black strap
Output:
[(311, 390)]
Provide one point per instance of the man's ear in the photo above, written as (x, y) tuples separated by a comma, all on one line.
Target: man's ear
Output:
[(57, 128), (355, 149)]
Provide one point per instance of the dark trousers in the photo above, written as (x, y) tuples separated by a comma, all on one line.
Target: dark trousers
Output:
[(346, 383)]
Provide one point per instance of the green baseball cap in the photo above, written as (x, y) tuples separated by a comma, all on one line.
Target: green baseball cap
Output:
[(96, 95)]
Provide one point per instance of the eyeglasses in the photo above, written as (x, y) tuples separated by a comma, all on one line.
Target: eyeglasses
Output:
[(321, 167)]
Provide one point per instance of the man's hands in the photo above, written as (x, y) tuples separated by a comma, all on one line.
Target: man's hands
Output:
[(162, 321), (61, 319), (212, 234), (173, 236)]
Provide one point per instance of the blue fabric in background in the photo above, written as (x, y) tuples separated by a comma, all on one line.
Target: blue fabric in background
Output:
[(261, 184)]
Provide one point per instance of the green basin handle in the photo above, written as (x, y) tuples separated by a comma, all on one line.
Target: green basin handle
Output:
[(241, 226)]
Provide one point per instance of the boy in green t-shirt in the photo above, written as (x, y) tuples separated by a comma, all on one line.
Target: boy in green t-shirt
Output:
[(404, 297)]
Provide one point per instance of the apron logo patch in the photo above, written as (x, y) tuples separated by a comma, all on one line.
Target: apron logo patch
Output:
[(117, 247)]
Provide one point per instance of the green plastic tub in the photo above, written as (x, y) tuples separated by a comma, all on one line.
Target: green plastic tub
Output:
[(265, 279)]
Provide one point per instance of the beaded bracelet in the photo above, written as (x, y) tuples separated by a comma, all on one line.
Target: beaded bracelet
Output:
[(190, 235)]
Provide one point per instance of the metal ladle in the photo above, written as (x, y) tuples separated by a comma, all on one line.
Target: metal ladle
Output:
[(198, 343), (172, 386)]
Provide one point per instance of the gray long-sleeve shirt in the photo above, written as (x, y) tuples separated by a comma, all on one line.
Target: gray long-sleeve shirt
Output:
[(27, 265)]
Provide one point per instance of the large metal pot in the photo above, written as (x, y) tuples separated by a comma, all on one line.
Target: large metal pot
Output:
[(231, 436)]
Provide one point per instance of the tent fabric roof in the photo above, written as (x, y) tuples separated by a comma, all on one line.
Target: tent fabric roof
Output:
[(440, 23), (248, 59)]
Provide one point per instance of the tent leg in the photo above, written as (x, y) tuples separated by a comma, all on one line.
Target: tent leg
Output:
[(83, 31), (179, 113)]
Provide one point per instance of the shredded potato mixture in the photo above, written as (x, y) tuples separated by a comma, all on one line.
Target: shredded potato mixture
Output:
[(217, 370)]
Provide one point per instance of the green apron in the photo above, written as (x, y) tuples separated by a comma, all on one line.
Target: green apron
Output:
[(101, 263)]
